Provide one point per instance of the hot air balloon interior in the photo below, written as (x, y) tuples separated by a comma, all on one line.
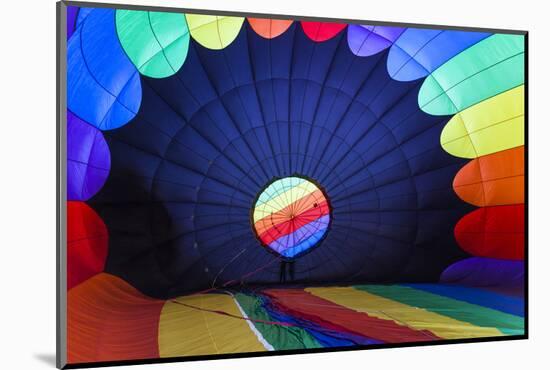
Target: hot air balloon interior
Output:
[(238, 185)]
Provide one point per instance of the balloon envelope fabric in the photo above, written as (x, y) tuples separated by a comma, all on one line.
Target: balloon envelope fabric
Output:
[(209, 139), (243, 185)]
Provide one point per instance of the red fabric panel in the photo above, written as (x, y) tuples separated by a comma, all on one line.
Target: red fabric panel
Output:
[(87, 240), (322, 31), (497, 232), (109, 320), (295, 208), (295, 223), (493, 180), (304, 305)]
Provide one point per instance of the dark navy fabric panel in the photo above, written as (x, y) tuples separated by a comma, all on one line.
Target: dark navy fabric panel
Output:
[(186, 170)]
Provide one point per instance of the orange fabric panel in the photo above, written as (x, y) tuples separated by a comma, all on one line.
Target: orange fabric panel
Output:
[(109, 320), (269, 28), (492, 180)]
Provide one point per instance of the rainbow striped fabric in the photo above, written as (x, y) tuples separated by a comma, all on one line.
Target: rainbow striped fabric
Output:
[(237, 321), (291, 216)]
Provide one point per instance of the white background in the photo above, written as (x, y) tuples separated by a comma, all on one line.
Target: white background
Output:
[(27, 182)]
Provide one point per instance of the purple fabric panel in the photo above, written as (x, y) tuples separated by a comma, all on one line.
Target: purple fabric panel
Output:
[(72, 12), (365, 40), (485, 272), (88, 159), (389, 33)]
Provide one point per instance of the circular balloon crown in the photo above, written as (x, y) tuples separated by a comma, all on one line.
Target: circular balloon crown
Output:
[(291, 216)]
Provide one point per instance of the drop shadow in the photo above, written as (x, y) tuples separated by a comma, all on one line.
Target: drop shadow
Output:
[(46, 358)]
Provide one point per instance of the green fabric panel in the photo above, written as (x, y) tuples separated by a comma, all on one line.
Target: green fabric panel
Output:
[(280, 337), (509, 331), (459, 310), (229, 25), (493, 65), (156, 43)]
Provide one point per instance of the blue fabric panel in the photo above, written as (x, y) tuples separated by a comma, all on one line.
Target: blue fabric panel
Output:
[(418, 52), (103, 86)]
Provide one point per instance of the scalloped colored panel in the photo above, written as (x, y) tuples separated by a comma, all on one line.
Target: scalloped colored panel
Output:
[(157, 43), (322, 31), (492, 180), (87, 240), (72, 15), (214, 32), (488, 68), (109, 320), (88, 159), (496, 232), (103, 86), (491, 126), (269, 28), (485, 272), (82, 14), (365, 40), (418, 52)]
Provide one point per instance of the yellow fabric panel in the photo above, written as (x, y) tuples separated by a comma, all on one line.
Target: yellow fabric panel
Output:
[(413, 317), (185, 331), (213, 32), (490, 126), (284, 199), (229, 29), (506, 135)]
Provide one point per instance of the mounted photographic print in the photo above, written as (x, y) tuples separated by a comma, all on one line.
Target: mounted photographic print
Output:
[(237, 185)]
